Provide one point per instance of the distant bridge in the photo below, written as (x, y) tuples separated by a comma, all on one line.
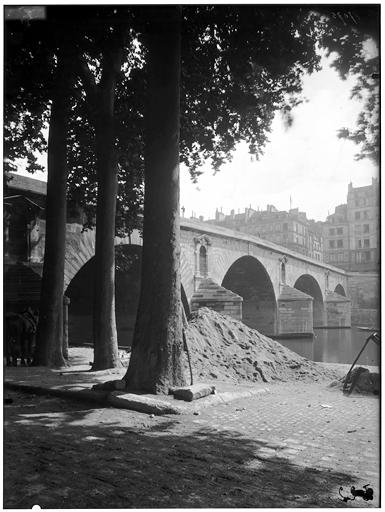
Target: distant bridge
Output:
[(269, 287)]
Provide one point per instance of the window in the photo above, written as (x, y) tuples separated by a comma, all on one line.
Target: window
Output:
[(340, 231), (366, 242), (359, 244), (367, 256), (358, 257), (366, 216), (340, 243), (366, 228), (331, 244), (331, 231), (357, 215)]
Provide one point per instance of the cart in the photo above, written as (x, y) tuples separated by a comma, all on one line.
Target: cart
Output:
[(374, 336)]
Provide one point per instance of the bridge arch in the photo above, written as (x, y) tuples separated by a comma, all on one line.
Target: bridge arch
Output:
[(340, 290), (127, 291), (248, 278), (309, 285), (80, 248)]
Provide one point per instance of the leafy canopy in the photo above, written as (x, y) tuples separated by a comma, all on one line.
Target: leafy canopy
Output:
[(240, 64)]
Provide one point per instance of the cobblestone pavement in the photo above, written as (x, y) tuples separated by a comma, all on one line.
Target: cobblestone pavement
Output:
[(293, 446)]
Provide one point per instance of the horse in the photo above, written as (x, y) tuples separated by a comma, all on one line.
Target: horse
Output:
[(20, 330)]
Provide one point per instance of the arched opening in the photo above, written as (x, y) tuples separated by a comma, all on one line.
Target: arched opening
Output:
[(340, 290), (203, 261), (128, 260), (248, 278), (283, 273), (307, 284)]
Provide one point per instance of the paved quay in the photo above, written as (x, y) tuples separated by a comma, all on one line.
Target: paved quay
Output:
[(280, 445)]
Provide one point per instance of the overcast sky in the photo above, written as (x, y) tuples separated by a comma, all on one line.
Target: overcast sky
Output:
[(306, 162)]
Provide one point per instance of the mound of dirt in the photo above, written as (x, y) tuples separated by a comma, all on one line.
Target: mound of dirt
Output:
[(226, 349)]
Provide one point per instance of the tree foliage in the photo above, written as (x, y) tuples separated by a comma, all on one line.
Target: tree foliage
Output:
[(240, 64), (351, 37), (28, 95), (27, 89)]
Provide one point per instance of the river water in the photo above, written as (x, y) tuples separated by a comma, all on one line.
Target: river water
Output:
[(336, 346)]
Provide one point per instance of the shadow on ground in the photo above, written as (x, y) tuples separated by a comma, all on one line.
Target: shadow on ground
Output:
[(60, 454)]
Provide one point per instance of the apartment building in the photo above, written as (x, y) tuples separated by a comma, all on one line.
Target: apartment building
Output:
[(351, 234), (290, 229)]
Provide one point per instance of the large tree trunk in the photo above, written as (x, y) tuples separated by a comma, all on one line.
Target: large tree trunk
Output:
[(156, 359), (50, 327), (104, 321)]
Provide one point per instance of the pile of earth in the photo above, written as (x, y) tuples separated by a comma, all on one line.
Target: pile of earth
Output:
[(226, 349)]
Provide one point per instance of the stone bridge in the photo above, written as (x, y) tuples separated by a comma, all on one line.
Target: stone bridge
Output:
[(273, 289)]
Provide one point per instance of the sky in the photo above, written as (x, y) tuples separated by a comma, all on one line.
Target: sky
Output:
[(306, 164)]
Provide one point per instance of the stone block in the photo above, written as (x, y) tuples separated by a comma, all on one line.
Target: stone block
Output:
[(141, 403), (190, 393)]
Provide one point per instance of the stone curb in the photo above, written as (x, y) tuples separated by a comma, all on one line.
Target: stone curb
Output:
[(133, 402), (141, 403)]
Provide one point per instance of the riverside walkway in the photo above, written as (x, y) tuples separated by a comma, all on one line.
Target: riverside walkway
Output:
[(268, 445)]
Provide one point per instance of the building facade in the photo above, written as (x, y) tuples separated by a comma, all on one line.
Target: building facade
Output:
[(290, 229), (351, 234)]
